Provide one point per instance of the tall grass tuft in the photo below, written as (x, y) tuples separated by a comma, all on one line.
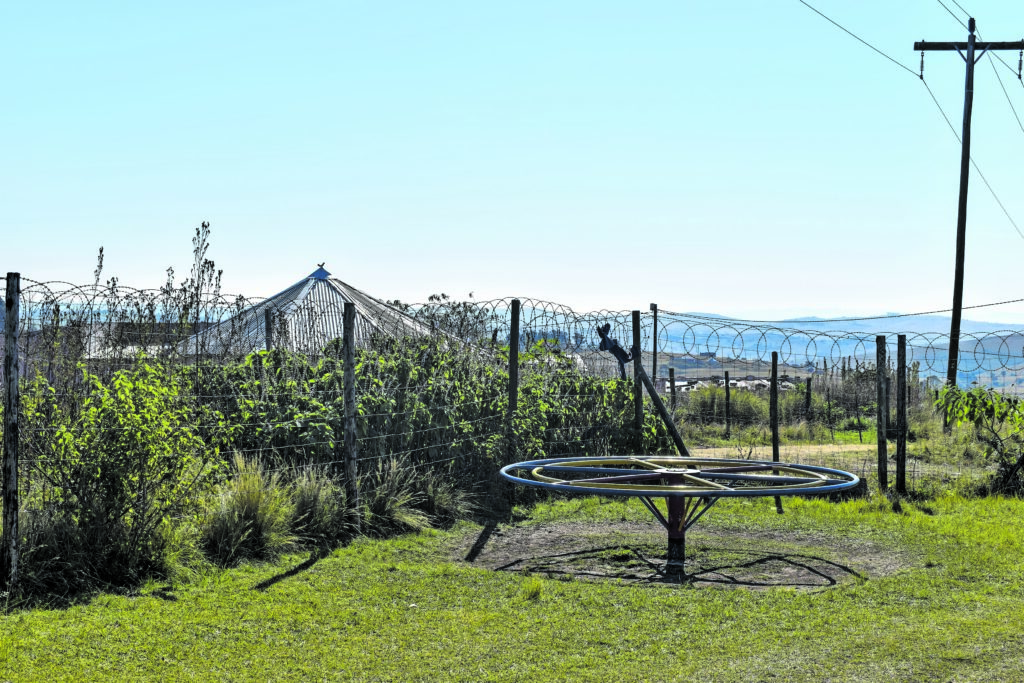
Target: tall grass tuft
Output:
[(443, 500), (249, 517), (319, 517), (392, 500)]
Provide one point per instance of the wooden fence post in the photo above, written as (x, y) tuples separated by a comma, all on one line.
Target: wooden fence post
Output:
[(268, 328), (728, 406), (12, 312), (513, 367), (654, 345), (807, 400), (638, 390), (901, 414), (773, 417), (351, 442), (672, 388), (882, 420)]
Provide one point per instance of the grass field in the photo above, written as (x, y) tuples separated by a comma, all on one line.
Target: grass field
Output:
[(929, 592)]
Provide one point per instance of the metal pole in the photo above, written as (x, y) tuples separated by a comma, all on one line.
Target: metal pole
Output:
[(660, 406), (351, 443), (12, 312)]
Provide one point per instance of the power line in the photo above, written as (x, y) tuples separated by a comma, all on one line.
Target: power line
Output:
[(855, 36), (934, 99), (973, 162), (952, 14), (961, 8), (1001, 85)]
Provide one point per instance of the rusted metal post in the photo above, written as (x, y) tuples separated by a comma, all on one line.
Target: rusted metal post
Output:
[(677, 509), (351, 442), (663, 412), (12, 312), (882, 419), (638, 390), (901, 414)]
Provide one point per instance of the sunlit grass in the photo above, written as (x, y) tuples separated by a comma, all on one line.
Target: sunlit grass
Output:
[(407, 609)]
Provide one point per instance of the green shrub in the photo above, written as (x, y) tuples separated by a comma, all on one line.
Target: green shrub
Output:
[(112, 463)]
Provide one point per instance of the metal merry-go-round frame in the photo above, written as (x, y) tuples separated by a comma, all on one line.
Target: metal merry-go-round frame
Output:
[(689, 485)]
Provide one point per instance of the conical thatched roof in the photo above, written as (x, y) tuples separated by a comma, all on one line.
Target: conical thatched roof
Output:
[(304, 318)]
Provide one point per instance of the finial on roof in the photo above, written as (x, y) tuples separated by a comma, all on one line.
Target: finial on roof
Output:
[(319, 273)]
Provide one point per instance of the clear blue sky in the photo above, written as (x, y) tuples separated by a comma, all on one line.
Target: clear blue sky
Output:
[(746, 158)]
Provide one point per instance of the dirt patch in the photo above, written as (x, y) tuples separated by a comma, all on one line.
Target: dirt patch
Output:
[(634, 552)]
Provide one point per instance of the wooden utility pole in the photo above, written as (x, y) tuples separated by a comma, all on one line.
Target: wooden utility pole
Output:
[(967, 51)]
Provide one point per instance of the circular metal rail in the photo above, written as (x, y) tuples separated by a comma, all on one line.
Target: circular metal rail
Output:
[(690, 486), (667, 476)]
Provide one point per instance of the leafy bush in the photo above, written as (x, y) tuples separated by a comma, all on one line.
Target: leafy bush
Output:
[(998, 422), (112, 463)]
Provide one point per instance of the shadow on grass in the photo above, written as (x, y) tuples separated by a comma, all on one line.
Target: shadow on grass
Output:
[(728, 567), (314, 557)]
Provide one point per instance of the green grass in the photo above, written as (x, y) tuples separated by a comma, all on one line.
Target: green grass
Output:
[(403, 609)]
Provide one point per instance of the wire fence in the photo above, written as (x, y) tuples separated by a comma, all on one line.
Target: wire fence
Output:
[(128, 396)]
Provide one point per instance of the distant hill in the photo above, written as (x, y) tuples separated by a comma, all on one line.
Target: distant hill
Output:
[(894, 322)]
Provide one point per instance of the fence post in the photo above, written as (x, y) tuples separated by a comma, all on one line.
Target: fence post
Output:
[(12, 312), (672, 388), (654, 345), (268, 328), (807, 401), (901, 414), (513, 366), (638, 390), (773, 417), (728, 406), (882, 420), (351, 443)]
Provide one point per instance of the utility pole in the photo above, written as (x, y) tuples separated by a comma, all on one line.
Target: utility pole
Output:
[(971, 47)]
